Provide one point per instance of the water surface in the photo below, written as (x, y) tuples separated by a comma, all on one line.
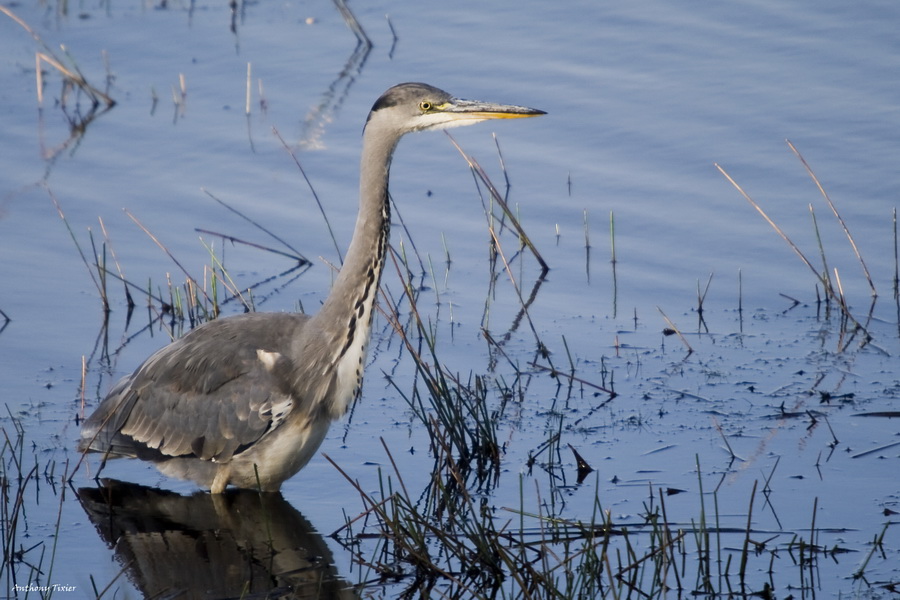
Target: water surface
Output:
[(642, 101)]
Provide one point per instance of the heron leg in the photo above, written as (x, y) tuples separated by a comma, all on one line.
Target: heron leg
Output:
[(221, 480)]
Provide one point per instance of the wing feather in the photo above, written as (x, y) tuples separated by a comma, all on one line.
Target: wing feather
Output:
[(215, 391)]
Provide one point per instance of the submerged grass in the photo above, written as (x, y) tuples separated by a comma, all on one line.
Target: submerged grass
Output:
[(28, 560), (454, 412), (471, 549)]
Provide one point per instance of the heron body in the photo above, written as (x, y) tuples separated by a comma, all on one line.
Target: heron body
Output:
[(247, 400)]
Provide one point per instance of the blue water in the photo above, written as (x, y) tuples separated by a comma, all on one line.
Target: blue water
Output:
[(643, 99)]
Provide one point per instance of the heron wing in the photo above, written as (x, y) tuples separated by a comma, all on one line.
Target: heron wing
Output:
[(211, 394)]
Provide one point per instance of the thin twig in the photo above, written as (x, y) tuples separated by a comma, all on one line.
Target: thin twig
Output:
[(836, 214), (676, 330), (482, 175), (770, 222), (166, 250), (823, 279), (315, 195), (255, 224), (556, 372), (112, 253), (74, 239), (228, 238)]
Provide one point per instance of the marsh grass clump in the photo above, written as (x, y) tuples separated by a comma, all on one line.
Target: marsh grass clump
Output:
[(475, 550), (179, 304), (28, 559), (466, 550), (460, 421)]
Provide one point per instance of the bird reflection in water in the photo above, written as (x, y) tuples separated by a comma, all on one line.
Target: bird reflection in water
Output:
[(240, 544)]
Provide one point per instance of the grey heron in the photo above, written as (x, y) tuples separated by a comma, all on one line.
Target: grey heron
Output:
[(246, 400)]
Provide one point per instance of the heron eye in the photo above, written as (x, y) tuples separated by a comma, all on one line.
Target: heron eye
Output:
[(425, 105)]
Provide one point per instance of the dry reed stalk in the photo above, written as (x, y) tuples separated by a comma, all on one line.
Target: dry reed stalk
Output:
[(836, 214), (296, 256), (824, 279), (108, 244), (84, 259), (557, 373), (676, 330), (166, 250), (512, 280), (896, 260), (313, 191), (73, 74), (249, 86), (768, 220), (235, 240), (495, 195)]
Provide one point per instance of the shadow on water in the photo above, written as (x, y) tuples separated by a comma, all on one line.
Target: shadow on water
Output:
[(236, 545)]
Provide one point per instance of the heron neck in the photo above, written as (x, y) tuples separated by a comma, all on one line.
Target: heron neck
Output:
[(352, 296)]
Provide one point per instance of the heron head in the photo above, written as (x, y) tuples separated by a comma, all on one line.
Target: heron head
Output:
[(418, 106)]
